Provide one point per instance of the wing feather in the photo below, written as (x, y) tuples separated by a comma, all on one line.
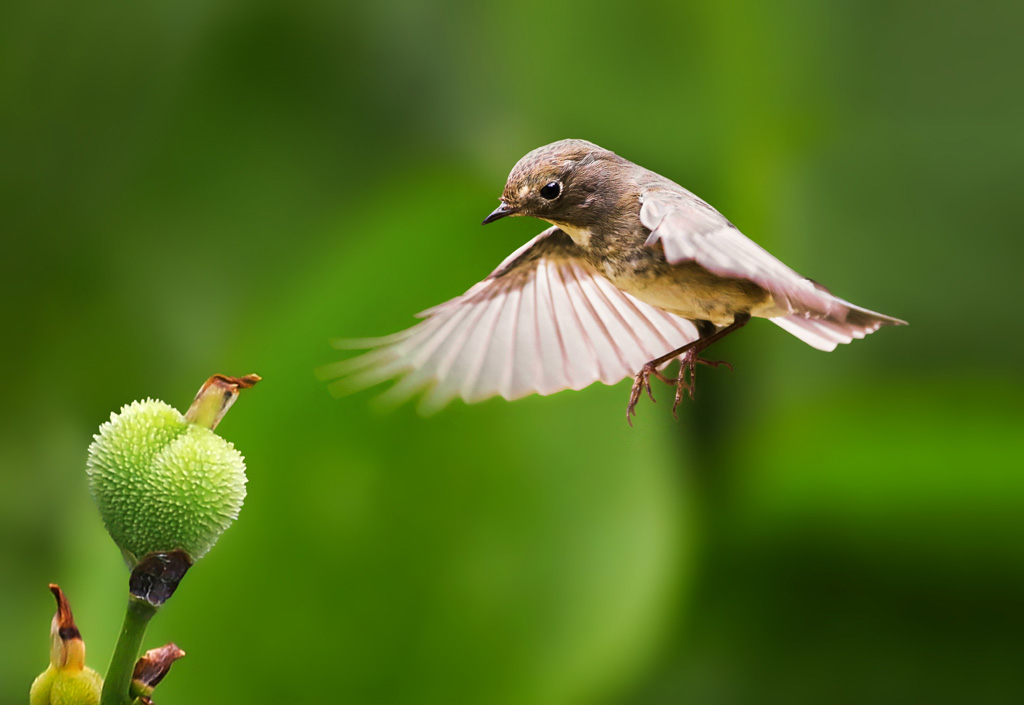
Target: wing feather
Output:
[(545, 320), (588, 300), (691, 230), (581, 362), (525, 367)]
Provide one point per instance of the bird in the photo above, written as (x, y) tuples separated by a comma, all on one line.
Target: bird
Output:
[(633, 273)]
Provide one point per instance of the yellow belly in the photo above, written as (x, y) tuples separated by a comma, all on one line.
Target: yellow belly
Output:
[(690, 291)]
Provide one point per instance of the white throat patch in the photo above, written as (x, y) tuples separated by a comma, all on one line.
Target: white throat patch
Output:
[(581, 236)]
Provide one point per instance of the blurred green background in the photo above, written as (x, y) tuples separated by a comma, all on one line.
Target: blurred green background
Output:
[(198, 187)]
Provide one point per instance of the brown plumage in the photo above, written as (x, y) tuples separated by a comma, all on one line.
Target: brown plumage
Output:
[(637, 271)]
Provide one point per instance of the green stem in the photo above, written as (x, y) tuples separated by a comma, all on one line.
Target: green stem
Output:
[(122, 663)]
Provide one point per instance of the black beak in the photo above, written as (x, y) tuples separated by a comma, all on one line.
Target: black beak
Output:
[(499, 212)]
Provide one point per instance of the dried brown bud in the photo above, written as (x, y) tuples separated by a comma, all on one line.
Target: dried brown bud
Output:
[(152, 667)]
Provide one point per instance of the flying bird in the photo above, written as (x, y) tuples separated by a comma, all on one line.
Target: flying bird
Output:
[(634, 272)]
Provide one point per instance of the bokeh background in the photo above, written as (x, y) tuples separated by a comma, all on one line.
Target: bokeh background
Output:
[(223, 186)]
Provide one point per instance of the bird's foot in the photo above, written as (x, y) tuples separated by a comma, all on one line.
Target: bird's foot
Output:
[(688, 356), (688, 362), (663, 378), (640, 382), (685, 382)]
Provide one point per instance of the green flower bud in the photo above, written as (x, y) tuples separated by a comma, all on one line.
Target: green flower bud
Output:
[(163, 482), (39, 694), (83, 688), (67, 680)]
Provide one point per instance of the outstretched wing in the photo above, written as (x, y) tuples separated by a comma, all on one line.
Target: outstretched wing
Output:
[(691, 230), (544, 320)]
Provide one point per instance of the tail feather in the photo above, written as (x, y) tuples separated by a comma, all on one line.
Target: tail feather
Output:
[(826, 333)]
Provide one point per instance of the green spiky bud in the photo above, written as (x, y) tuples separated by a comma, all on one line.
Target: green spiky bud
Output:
[(164, 481)]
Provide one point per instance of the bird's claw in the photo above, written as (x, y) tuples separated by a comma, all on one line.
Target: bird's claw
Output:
[(685, 382), (663, 378), (640, 382), (687, 362), (715, 363)]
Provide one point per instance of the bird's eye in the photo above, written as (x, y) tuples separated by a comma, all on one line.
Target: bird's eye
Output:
[(551, 191)]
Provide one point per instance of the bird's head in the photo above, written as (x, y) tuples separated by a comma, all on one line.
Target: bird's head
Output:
[(567, 183)]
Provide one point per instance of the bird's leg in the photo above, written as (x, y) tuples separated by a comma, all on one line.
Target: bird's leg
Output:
[(704, 329), (690, 357), (689, 362)]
